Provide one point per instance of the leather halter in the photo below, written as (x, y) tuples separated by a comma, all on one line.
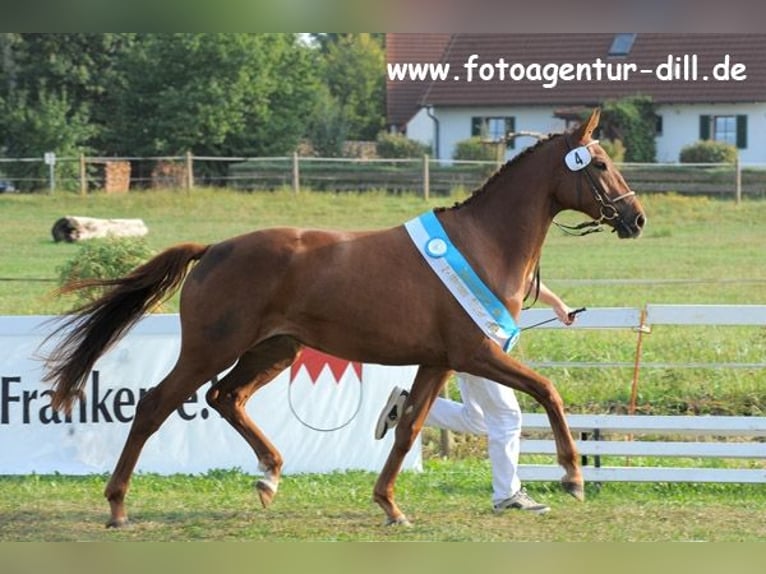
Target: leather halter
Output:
[(607, 206)]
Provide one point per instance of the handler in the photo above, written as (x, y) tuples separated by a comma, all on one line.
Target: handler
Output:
[(490, 409)]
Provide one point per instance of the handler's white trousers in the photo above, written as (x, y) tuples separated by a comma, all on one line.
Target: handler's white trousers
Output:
[(491, 409)]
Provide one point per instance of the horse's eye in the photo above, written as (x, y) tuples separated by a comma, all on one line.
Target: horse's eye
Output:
[(600, 165)]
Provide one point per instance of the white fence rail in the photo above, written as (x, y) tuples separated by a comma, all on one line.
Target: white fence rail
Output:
[(729, 437), (615, 435)]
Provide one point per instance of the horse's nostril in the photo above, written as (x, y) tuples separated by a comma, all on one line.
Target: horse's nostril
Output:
[(640, 221)]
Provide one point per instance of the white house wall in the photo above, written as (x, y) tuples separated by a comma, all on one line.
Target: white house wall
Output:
[(421, 128), (680, 127), (455, 125)]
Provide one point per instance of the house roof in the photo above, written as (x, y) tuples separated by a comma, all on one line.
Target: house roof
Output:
[(403, 99), (647, 52)]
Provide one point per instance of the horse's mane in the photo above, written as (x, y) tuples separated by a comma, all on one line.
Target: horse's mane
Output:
[(501, 171)]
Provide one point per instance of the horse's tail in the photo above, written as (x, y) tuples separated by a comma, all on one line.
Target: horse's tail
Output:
[(97, 325)]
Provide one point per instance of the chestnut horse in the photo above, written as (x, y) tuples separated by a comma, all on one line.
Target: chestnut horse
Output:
[(368, 296)]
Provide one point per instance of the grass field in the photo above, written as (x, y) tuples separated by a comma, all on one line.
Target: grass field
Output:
[(700, 240), (695, 250), (447, 502)]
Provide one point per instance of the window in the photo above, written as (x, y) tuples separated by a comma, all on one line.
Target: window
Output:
[(729, 129), (621, 44), (725, 129), (494, 129)]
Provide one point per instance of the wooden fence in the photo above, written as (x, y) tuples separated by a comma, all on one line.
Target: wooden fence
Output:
[(421, 175), (429, 176)]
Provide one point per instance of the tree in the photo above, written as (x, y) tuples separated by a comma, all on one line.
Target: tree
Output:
[(352, 67), (214, 94), (327, 128), (165, 94), (45, 122), (79, 68)]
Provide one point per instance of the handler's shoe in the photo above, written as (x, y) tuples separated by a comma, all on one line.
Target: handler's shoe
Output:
[(390, 414), (521, 501)]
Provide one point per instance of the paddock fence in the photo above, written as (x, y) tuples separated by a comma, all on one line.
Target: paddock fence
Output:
[(424, 175), (611, 445)]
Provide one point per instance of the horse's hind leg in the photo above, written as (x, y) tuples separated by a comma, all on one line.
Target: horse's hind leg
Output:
[(428, 382), (255, 368), (151, 411)]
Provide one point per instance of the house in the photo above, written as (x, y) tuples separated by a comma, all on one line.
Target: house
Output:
[(444, 88)]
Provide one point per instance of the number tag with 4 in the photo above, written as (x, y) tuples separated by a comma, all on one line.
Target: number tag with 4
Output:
[(579, 157)]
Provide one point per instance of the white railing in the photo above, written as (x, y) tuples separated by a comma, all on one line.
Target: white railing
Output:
[(729, 437)]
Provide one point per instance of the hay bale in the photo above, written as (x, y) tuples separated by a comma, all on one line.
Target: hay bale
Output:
[(75, 228)]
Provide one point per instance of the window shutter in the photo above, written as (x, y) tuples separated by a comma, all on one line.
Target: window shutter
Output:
[(704, 128), (510, 126), (741, 132), (476, 126)]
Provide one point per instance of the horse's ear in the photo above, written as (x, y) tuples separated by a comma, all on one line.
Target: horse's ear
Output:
[(585, 131)]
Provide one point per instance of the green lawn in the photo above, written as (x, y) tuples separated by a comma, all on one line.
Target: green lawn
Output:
[(449, 501)]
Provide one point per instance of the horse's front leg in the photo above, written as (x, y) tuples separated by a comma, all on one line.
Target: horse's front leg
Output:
[(428, 382), (495, 365)]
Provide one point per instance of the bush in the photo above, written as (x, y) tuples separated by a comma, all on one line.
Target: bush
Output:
[(615, 149), (473, 149), (108, 258), (708, 151), (395, 146), (633, 121), (328, 126)]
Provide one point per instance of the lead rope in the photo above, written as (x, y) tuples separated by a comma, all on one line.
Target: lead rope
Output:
[(577, 230), (536, 283)]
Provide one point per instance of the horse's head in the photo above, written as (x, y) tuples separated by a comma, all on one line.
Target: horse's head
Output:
[(592, 184)]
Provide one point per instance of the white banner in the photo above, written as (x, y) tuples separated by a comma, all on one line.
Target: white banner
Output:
[(320, 414)]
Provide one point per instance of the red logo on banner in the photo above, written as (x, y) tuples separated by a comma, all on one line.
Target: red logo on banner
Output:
[(315, 361)]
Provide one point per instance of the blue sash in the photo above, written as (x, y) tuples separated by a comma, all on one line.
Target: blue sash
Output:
[(486, 310)]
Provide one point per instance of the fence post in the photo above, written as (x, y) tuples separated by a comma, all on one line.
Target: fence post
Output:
[(642, 328), (296, 174), (83, 176), (738, 179), (189, 171), (426, 178), (49, 158)]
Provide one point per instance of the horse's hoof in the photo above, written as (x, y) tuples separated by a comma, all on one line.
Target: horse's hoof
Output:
[(398, 521), (576, 489), (117, 522), (265, 493)]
